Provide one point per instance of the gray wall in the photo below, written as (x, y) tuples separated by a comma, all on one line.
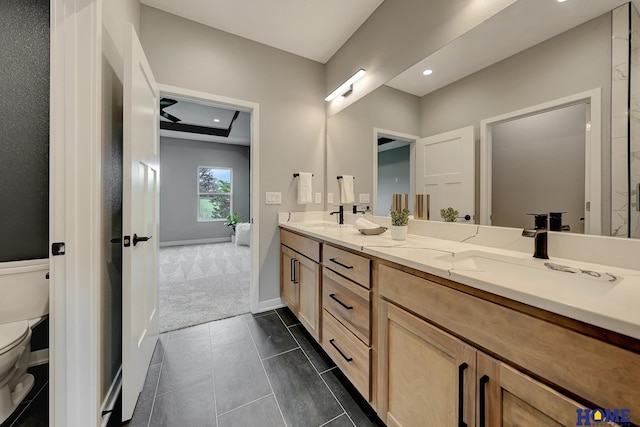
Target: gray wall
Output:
[(393, 176), (538, 166), (179, 161), (399, 34), (350, 138), (289, 89), (572, 62), (24, 139)]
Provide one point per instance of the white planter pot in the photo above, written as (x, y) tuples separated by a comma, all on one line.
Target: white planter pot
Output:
[(399, 232)]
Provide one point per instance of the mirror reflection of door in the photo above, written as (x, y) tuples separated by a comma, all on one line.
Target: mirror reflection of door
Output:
[(538, 166), (394, 171)]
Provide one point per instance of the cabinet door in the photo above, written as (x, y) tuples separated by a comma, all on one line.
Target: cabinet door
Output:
[(426, 376), (307, 274), (288, 281), (507, 397)]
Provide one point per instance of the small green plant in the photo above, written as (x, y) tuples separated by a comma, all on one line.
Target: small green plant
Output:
[(400, 218), (232, 220), (449, 214)]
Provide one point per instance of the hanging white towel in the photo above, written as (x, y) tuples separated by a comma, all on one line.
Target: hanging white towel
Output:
[(346, 189), (304, 188)]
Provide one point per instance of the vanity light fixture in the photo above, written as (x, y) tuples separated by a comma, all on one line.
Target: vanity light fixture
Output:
[(561, 1), (346, 87), (427, 72)]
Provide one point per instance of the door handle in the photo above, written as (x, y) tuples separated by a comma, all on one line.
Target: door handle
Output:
[(461, 370), (116, 240), (483, 397), (137, 239)]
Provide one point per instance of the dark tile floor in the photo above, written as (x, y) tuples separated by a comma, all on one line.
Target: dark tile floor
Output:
[(34, 409), (250, 370)]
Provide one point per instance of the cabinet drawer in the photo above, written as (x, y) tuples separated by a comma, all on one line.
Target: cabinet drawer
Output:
[(353, 266), (348, 302), (307, 247), (351, 355)]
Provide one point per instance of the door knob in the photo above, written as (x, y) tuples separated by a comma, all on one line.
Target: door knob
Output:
[(137, 239)]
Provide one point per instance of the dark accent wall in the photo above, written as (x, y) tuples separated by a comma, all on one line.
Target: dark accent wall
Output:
[(24, 129)]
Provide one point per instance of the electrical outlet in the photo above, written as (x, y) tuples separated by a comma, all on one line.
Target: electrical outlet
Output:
[(318, 198), (273, 198), (329, 197), (364, 198)]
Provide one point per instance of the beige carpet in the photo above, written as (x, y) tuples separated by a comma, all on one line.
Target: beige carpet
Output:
[(201, 283)]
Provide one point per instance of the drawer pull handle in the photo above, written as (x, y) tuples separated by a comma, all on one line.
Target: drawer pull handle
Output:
[(333, 297), (483, 386), (332, 342), (348, 267), (461, 370)]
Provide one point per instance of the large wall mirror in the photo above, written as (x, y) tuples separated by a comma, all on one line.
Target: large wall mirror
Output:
[(530, 54)]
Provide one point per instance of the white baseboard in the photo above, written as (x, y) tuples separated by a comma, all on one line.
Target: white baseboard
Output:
[(271, 304), (110, 400), (196, 242), (39, 357)]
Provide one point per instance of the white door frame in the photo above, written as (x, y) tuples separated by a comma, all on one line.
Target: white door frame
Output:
[(593, 153), (377, 132), (254, 109), (75, 211)]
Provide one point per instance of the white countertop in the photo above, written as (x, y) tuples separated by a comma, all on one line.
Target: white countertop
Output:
[(610, 301)]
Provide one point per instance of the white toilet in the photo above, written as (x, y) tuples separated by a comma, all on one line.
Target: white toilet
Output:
[(24, 303)]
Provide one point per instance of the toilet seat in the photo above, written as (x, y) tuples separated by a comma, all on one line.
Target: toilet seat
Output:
[(11, 334)]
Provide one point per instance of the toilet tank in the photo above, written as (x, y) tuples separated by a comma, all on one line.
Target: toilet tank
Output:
[(24, 290)]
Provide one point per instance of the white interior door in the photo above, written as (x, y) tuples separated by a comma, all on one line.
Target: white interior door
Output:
[(445, 169), (140, 324)]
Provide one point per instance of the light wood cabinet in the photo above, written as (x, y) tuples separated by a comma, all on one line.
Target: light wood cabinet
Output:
[(300, 279), (508, 397), (426, 376)]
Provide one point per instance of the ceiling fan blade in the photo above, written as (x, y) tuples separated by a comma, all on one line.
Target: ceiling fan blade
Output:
[(166, 102), (168, 116)]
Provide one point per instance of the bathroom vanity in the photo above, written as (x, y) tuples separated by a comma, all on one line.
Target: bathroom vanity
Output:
[(437, 328)]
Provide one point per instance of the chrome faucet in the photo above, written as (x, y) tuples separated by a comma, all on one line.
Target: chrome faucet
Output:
[(340, 213), (539, 233)]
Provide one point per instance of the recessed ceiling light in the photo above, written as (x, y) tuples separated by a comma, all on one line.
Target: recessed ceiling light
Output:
[(427, 72), (216, 120)]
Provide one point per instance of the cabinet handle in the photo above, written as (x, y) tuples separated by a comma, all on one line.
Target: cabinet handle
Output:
[(332, 342), (348, 267), (461, 370), (296, 272), (291, 270), (333, 297), (483, 383)]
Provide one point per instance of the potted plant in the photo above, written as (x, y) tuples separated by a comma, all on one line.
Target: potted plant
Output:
[(232, 220), (399, 221), (449, 214)]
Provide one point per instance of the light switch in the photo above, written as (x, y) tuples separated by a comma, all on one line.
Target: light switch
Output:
[(273, 198), (329, 197), (364, 198), (318, 198)]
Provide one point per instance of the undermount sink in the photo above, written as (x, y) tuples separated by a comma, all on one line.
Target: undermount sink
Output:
[(516, 269), (322, 225)]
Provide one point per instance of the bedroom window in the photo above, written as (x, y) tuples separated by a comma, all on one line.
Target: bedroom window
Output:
[(214, 193)]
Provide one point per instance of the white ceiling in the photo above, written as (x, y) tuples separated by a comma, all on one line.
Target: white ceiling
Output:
[(314, 29), (523, 24)]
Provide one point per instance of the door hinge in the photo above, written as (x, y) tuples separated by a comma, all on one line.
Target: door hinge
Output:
[(57, 248)]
